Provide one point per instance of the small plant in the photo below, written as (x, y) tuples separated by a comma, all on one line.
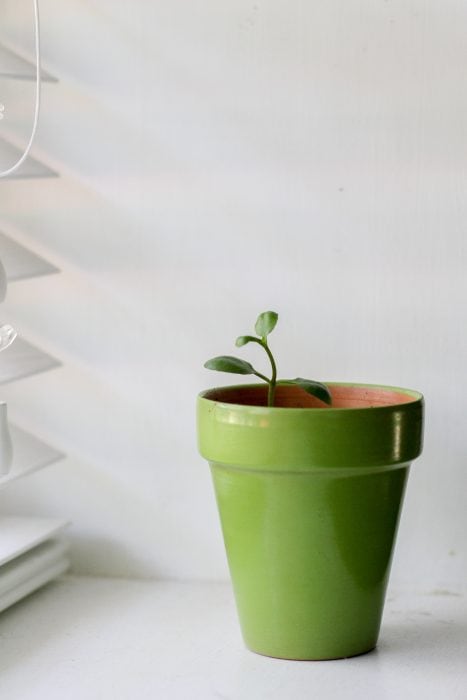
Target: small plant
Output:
[(265, 324)]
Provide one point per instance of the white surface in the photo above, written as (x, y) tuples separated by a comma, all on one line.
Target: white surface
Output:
[(230, 157), (27, 572), (31, 168), (122, 640), (22, 359), (32, 552), (29, 455), (33, 581), (12, 65), (21, 263), (20, 534), (6, 444)]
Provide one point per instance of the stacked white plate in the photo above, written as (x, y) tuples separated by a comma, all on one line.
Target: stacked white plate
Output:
[(33, 551)]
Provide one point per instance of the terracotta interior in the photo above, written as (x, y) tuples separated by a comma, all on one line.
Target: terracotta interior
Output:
[(294, 397)]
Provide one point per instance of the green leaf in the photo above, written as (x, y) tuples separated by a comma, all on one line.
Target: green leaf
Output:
[(244, 339), (266, 323), (311, 387), (226, 363)]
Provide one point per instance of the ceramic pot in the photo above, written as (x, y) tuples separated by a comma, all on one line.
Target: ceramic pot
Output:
[(6, 448), (309, 500)]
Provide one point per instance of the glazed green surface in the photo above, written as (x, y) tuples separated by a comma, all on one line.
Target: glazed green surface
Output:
[(309, 438), (309, 557), (309, 501)]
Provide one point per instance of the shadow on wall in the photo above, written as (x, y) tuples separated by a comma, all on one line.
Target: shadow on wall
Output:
[(96, 556)]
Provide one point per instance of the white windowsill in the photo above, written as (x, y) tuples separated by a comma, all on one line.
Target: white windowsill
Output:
[(88, 638)]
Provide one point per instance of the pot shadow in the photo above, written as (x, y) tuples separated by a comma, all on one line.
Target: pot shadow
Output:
[(433, 634)]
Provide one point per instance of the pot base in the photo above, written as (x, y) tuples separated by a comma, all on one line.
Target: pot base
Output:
[(312, 658)]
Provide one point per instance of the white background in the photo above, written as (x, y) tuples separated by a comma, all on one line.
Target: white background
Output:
[(219, 159)]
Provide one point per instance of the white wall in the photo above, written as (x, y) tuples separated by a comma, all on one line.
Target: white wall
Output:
[(218, 159)]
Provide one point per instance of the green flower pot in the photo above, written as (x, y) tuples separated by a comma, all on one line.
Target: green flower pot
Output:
[(309, 499)]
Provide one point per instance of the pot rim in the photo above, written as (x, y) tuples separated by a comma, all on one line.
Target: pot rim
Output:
[(412, 395)]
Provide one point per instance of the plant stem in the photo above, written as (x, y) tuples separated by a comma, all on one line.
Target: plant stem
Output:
[(272, 381), (261, 376)]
